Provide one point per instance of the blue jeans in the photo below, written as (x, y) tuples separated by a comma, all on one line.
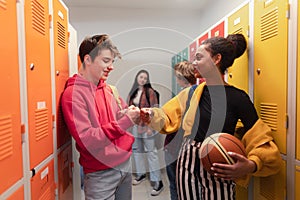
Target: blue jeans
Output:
[(144, 145), (171, 163)]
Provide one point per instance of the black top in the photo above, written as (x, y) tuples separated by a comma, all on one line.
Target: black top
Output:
[(220, 108)]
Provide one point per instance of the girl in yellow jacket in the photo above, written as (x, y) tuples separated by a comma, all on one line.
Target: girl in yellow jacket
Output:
[(216, 107)]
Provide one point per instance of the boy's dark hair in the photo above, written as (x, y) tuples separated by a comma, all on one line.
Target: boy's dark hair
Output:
[(93, 45)]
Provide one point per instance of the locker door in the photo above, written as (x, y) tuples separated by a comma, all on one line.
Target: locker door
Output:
[(179, 57), (218, 31), (271, 187), (192, 51), (270, 65), (65, 173), (202, 38), (297, 185), (185, 54), (38, 80), (42, 183), (174, 61), (17, 195), (238, 74), (10, 116), (298, 92), (61, 63), (270, 84)]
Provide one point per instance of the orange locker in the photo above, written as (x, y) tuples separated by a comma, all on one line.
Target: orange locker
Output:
[(192, 51), (202, 38), (17, 195), (65, 173), (38, 80), (10, 116), (217, 31), (270, 65), (42, 183), (61, 63), (238, 74)]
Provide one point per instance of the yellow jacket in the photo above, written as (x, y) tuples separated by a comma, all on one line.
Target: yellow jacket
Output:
[(258, 141)]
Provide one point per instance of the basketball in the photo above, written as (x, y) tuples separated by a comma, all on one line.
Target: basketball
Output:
[(215, 148)]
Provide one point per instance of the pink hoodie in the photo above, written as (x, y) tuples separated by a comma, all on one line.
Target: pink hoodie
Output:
[(90, 113)]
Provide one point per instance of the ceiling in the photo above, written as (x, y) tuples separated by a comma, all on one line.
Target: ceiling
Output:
[(140, 4)]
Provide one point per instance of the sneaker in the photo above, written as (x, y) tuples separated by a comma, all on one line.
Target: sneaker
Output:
[(157, 188), (139, 179)]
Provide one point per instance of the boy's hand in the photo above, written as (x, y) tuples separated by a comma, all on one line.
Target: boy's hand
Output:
[(145, 115)]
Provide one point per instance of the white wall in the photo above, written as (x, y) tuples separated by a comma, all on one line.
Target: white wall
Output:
[(148, 38)]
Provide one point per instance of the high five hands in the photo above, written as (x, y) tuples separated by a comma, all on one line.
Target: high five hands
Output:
[(146, 115), (137, 115)]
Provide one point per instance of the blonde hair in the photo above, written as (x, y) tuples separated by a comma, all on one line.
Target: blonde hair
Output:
[(185, 71)]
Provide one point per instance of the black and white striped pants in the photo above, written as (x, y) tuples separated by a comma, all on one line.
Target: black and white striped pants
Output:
[(193, 182)]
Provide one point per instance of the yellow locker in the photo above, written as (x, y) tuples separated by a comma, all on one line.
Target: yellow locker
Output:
[(297, 184), (61, 63), (10, 116), (271, 187), (270, 65), (298, 92), (38, 80), (238, 74)]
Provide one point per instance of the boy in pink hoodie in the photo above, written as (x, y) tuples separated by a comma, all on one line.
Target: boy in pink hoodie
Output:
[(98, 122)]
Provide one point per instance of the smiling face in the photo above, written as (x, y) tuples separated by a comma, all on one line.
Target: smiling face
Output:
[(204, 63), (142, 79), (100, 67)]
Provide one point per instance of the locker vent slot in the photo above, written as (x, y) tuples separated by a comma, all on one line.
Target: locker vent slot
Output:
[(3, 4), (61, 35), (269, 25), (38, 17), (268, 113), (41, 123), (267, 188), (240, 30), (47, 194), (6, 141)]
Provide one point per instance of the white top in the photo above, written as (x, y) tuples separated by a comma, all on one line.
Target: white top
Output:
[(136, 100)]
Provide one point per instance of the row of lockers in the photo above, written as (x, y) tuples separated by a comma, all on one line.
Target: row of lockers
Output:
[(35, 150), (263, 71)]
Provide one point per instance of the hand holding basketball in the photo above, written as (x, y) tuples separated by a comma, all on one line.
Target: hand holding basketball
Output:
[(242, 167), (224, 155)]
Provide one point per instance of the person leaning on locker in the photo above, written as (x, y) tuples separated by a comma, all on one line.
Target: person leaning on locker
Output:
[(184, 72), (97, 123), (216, 106)]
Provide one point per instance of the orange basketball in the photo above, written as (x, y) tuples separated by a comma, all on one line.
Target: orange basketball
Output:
[(215, 148)]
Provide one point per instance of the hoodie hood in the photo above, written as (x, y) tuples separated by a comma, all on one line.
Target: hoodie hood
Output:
[(79, 81)]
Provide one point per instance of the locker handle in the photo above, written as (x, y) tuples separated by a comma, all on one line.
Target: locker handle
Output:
[(258, 71), (57, 72), (230, 75), (31, 66)]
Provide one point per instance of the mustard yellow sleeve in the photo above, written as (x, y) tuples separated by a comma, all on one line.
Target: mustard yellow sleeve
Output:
[(168, 118), (261, 149)]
